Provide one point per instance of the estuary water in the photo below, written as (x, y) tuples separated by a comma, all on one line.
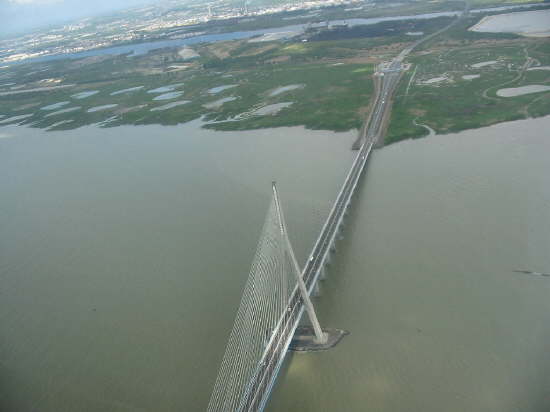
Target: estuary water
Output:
[(425, 281), (124, 253)]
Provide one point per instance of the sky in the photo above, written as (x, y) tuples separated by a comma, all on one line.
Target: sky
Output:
[(22, 15)]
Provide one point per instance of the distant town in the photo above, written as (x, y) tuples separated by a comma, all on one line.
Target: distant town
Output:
[(143, 24)]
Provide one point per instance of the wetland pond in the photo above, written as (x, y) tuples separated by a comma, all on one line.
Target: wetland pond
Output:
[(170, 105), (124, 253), (219, 89), (129, 90), (14, 118), (271, 109), (162, 89), (520, 91), (85, 94), (55, 106), (527, 23), (168, 96), (284, 89), (102, 107), (483, 64), (219, 103)]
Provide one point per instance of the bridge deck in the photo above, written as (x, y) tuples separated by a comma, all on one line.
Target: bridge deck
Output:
[(260, 386), (264, 378)]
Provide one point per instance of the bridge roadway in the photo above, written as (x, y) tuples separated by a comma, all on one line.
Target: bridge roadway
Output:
[(259, 388)]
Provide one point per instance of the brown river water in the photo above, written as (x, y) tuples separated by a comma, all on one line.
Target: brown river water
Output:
[(124, 253)]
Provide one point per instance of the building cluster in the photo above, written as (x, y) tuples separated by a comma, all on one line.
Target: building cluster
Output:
[(141, 25)]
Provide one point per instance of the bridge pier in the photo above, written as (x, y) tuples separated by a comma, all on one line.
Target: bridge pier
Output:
[(303, 339)]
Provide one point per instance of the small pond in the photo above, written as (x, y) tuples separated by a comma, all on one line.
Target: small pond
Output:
[(83, 95), (170, 105), (271, 109), (165, 89), (219, 89), (168, 96), (284, 89), (129, 90), (218, 103), (520, 91), (55, 106), (101, 108)]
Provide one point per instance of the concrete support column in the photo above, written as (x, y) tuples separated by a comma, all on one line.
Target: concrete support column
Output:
[(320, 336)]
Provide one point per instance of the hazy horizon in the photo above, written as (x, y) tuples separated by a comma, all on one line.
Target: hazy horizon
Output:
[(18, 16)]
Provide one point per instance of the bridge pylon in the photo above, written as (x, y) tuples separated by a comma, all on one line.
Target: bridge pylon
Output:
[(275, 295), (320, 336)]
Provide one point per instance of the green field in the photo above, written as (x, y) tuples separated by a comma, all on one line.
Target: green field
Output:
[(334, 79), (330, 69), (456, 103)]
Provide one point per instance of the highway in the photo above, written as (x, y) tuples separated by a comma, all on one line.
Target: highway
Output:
[(387, 77), (260, 387)]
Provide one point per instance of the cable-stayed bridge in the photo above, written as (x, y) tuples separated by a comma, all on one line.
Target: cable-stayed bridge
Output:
[(277, 290)]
